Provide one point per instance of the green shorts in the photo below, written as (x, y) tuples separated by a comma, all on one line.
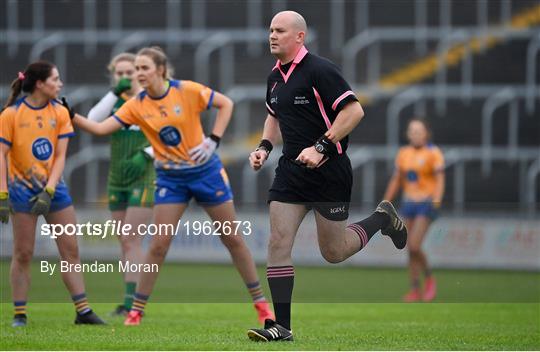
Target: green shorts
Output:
[(121, 199)]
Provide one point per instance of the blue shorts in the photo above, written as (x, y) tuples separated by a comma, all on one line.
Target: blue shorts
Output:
[(20, 195), (208, 184), (412, 209)]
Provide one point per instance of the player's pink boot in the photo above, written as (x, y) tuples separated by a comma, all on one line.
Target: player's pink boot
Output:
[(264, 312), (430, 289), (412, 296), (133, 318)]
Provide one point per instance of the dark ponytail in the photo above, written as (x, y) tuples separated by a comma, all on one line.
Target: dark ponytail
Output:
[(26, 81), (16, 87)]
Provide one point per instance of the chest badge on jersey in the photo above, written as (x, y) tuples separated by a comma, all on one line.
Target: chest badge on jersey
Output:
[(412, 176), (42, 149), (170, 136), (39, 120), (52, 122), (163, 111), (177, 110)]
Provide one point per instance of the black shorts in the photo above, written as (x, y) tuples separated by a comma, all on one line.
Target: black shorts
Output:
[(326, 189)]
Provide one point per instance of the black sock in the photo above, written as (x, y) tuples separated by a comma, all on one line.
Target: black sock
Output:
[(281, 282), (365, 229)]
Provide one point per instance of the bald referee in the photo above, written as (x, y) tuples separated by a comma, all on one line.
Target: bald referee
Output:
[(314, 109)]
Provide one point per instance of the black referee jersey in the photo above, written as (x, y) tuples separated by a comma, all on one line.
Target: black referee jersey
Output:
[(306, 95)]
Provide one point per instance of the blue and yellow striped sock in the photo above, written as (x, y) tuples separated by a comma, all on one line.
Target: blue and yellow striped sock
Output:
[(81, 303), (139, 302), (256, 292), (19, 307)]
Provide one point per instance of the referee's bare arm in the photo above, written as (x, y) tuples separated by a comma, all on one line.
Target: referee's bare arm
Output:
[(271, 129), (345, 122), (271, 133)]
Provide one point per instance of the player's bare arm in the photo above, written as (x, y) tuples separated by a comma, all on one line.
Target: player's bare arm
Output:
[(393, 186), (103, 128), (3, 167), (439, 188), (202, 152), (225, 108), (59, 163)]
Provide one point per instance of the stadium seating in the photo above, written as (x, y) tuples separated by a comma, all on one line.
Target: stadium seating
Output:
[(186, 28)]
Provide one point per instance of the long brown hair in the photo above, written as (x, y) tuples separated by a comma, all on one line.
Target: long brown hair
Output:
[(26, 82), (159, 58)]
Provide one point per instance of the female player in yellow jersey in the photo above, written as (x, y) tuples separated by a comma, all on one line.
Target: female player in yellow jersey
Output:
[(168, 113), (34, 134), (420, 172), (130, 183)]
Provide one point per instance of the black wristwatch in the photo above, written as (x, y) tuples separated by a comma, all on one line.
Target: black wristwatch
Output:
[(323, 145), (319, 147)]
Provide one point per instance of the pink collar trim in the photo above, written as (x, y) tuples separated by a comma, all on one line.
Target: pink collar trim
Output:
[(297, 59), (299, 56)]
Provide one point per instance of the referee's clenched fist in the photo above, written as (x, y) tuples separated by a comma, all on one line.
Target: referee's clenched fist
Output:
[(258, 157)]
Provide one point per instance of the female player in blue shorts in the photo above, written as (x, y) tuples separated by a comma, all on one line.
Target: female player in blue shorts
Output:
[(168, 113), (34, 134), (130, 184), (420, 172)]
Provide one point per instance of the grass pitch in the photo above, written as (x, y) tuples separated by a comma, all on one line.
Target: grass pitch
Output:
[(494, 311)]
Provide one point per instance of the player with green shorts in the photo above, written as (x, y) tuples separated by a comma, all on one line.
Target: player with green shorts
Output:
[(131, 178)]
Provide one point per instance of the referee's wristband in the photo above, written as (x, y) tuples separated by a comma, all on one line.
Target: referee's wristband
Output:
[(216, 139), (266, 145)]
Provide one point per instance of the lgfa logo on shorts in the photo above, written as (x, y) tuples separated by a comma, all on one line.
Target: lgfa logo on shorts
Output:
[(42, 149), (162, 192), (337, 210)]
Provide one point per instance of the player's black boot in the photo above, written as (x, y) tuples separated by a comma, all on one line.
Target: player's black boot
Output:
[(90, 318), (119, 311), (396, 229), (272, 332), (19, 320)]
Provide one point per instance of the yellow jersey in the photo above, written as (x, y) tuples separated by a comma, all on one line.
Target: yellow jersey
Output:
[(171, 122), (419, 166), (32, 134)]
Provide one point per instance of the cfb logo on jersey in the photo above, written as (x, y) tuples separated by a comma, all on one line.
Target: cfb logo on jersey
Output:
[(42, 149), (170, 136)]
